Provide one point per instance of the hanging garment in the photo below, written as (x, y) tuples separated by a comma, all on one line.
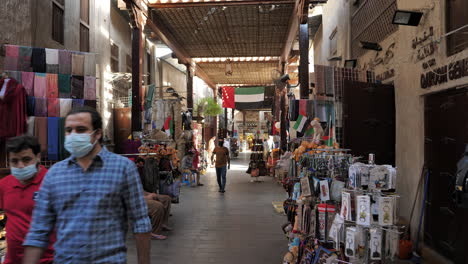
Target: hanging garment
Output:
[(27, 79), (149, 96), (13, 109), (151, 176), (30, 105), (77, 103), (65, 61), (77, 64), (11, 57), (63, 153), (303, 107), (90, 103), (24, 61), (38, 60), (52, 60), (40, 132), (77, 88), (52, 85), (53, 107), (52, 138), (64, 85), (40, 107), (30, 123), (40, 85), (293, 110), (65, 106), (90, 64), (187, 120), (89, 88), (16, 75)]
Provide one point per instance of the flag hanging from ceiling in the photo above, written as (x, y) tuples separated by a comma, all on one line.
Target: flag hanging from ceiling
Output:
[(169, 126), (249, 97), (228, 97), (301, 124)]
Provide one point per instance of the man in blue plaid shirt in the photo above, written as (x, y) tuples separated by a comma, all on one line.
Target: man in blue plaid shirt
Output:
[(87, 199)]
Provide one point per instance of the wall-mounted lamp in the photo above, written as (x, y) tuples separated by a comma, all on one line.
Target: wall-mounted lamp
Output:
[(285, 78), (335, 58), (350, 63), (370, 45), (407, 18), (170, 90)]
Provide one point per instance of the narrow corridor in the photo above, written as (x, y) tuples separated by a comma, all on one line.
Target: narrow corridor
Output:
[(239, 226)]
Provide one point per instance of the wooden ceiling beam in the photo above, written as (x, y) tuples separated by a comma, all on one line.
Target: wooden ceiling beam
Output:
[(160, 5), (297, 17), (168, 39)]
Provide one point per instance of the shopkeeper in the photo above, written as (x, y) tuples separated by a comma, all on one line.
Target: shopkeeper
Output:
[(17, 195)]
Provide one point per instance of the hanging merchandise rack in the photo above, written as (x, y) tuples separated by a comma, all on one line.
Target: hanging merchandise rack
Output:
[(341, 210)]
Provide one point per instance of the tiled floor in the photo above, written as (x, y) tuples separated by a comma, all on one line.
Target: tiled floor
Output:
[(238, 227)]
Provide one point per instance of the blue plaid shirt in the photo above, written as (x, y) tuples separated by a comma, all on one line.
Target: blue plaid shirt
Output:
[(89, 210)]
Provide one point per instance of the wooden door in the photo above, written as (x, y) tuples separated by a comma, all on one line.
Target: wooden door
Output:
[(369, 120), (122, 127), (446, 134)]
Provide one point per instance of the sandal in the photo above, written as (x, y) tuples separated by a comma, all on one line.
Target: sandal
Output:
[(200, 184), (158, 237)]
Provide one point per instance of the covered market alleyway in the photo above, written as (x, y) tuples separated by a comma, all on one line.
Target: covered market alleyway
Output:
[(240, 226)]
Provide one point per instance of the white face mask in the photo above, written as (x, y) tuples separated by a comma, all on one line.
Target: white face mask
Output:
[(79, 145), (25, 173)]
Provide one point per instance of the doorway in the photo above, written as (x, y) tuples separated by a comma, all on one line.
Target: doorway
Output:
[(446, 134), (369, 120)]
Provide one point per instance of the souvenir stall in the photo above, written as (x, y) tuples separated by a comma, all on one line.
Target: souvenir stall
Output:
[(54, 81), (339, 210)]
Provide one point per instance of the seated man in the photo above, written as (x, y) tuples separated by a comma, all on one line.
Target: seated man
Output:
[(158, 214)]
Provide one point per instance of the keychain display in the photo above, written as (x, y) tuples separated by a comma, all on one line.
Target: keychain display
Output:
[(386, 210), (375, 244), (324, 191), (350, 245), (382, 177), (363, 212), (359, 175), (346, 206)]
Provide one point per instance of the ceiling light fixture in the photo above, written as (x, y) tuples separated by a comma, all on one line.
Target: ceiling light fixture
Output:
[(350, 63), (407, 18), (370, 45)]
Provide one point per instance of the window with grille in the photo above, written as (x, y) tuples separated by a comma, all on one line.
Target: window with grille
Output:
[(333, 43), (84, 38), (57, 22), (114, 57), (84, 11), (457, 16), (128, 59)]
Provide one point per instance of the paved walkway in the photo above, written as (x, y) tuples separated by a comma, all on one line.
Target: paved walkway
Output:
[(238, 227)]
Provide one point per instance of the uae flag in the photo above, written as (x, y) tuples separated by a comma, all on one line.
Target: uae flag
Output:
[(229, 97), (329, 137), (249, 97), (302, 123), (169, 126)]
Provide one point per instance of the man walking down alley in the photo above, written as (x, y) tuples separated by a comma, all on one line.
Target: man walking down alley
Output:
[(223, 163)]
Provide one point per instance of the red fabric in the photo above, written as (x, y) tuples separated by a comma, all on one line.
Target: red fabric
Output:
[(303, 107), (13, 113), (18, 202), (53, 107), (229, 97), (52, 85), (196, 160)]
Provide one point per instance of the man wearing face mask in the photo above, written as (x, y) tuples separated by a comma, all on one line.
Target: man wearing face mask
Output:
[(89, 198), (18, 192)]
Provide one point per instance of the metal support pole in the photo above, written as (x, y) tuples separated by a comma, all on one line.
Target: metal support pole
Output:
[(225, 122), (189, 89), (304, 60), (137, 50)]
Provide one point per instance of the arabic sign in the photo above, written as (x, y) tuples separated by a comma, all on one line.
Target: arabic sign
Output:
[(443, 74), (383, 58), (425, 50)]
